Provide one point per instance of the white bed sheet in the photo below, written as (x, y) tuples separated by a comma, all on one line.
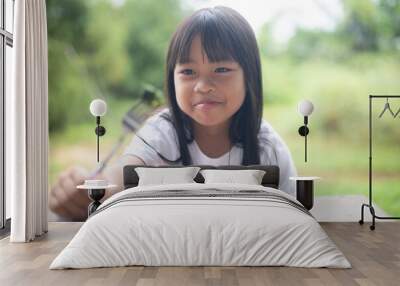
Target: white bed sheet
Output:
[(200, 231)]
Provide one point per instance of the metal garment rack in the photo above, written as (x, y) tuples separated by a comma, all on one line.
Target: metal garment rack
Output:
[(370, 205)]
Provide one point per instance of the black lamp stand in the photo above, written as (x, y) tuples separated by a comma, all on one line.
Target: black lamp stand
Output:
[(303, 131), (96, 194), (100, 131)]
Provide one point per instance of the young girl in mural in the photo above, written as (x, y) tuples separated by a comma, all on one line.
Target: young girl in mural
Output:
[(213, 86)]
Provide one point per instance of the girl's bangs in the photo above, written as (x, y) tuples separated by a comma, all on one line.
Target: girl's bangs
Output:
[(216, 43)]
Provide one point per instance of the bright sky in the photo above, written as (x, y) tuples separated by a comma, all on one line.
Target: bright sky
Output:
[(287, 14)]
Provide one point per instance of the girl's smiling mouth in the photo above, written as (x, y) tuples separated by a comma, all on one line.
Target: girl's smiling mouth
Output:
[(207, 104)]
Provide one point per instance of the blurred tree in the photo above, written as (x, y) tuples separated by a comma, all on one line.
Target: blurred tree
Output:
[(97, 47), (127, 43), (66, 21), (390, 23), (107, 58), (361, 25), (318, 44), (367, 26), (150, 25), (371, 25)]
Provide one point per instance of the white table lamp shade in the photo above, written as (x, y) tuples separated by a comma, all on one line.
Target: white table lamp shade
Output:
[(305, 107), (98, 107)]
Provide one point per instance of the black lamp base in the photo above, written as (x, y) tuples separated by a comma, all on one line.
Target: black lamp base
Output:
[(303, 130), (305, 193), (96, 195)]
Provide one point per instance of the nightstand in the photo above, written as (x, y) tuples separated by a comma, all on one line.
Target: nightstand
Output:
[(96, 190), (305, 190)]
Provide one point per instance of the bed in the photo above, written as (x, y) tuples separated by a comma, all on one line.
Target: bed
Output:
[(201, 224)]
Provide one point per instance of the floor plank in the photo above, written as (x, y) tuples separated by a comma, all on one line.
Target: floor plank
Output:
[(374, 255)]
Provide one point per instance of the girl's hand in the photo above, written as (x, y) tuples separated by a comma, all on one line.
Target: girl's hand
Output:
[(65, 199), (72, 203)]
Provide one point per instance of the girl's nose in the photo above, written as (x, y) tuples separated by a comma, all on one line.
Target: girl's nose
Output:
[(204, 85)]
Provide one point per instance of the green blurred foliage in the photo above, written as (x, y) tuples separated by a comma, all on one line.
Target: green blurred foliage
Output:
[(361, 25), (371, 25), (97, 49), (390, 22), (148, 39), (106, 55), (367, 26), (338, 69), (67, 92), (65, 22)]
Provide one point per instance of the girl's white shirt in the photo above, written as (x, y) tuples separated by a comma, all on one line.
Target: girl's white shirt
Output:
[(160, 134)]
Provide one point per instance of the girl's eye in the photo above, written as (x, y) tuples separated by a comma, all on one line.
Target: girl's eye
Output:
[(187, 72), (222, 70)]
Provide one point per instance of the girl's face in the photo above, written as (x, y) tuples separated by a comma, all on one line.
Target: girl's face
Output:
[(209, 92)]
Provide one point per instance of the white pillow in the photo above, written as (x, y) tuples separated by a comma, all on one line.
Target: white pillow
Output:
[(162, 176), (249, 177)]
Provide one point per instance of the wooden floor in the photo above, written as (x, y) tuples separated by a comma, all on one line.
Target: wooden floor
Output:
[(374, 255)]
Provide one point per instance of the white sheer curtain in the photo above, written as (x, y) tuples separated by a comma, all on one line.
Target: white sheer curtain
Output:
[(27, 123)]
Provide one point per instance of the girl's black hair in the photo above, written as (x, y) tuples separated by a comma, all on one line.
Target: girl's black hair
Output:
[(225, 35)]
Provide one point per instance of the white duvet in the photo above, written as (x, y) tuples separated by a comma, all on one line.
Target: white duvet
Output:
[(207, 230)]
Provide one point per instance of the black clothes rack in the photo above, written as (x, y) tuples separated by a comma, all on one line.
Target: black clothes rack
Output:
[(370, 205)]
